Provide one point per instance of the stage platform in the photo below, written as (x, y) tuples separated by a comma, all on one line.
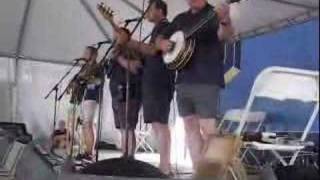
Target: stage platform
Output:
[(181, 171)]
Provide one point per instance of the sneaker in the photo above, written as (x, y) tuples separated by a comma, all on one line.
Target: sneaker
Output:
[(88, 159), (78, 167), (78, 159)]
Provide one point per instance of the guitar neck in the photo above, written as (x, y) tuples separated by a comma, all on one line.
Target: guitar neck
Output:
[(114, 26)]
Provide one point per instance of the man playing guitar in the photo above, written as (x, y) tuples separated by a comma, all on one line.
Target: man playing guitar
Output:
[(125, 72)]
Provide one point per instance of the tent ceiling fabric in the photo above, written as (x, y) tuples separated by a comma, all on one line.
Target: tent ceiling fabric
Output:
[(11, 15), (59, 30)]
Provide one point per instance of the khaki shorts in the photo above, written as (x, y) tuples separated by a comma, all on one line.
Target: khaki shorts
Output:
[(89, 109), (198, 99)]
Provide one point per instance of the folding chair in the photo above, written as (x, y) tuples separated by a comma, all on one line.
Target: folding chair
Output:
[(142, 133), (233, 116), (281, 83)]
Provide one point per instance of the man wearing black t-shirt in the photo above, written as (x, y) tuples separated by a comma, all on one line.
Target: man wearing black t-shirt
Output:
[(157, 83), (199, 83)]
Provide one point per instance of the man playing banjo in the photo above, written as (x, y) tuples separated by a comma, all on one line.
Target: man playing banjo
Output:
[(199, 82)]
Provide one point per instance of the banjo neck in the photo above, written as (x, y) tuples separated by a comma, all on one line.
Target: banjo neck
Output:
[(204, 21)]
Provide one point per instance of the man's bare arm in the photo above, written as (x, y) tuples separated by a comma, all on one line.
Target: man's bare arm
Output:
[(226, 32)]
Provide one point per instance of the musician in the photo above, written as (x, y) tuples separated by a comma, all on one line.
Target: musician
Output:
[(158, 83), (74, 112), (127, 67), (91, 75), (199, 83)]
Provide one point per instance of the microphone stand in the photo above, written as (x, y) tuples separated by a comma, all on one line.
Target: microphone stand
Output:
[(55, 89)]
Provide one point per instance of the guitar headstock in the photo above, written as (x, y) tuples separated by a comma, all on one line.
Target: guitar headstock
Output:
[(106, 12)]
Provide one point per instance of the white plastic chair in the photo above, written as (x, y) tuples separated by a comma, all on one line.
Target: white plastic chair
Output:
[(281, 83)]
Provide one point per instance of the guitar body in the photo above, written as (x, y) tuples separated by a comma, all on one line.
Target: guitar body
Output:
[(60, 141), (181, 53)]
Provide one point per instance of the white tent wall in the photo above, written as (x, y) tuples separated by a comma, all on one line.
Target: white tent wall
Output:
[(35, 79), (6, 78)]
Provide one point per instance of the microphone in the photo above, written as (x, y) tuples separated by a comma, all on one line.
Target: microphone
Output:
[(127, 21), (78, 60), (104, 42)]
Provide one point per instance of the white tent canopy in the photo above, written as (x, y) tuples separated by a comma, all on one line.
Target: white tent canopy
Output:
[(58, 30), (38, 37)]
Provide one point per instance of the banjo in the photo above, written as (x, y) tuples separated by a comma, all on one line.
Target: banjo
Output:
[(183, 45)]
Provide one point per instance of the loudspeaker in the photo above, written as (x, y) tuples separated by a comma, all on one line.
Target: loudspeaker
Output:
[(11, 154), (16, 131), (21, 162), (32, 166), (18, 160)]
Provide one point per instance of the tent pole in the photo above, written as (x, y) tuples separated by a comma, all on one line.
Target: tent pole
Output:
[(86, 6), (295, 4), (14, 84), (35, 59)]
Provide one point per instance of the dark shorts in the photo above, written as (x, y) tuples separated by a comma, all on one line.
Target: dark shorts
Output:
[(156, 104), (196, 99), (119, 111), (92, 94)]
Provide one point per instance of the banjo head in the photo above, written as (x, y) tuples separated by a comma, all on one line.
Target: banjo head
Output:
[(186, 56), (179, 40)]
